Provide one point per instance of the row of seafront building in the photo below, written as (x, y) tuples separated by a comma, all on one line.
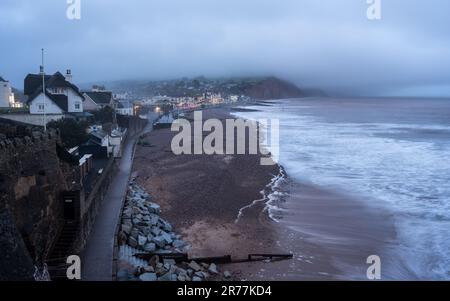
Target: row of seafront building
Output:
[(62, 99), (193, 102)]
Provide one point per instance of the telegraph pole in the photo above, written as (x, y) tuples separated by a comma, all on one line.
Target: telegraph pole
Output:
[(43, 90)]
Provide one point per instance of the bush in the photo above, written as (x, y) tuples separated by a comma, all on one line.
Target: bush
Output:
[(73, 133)]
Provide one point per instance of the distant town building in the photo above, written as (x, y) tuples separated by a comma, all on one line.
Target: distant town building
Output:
[(109, 140), (97, 99), (125, 108), (61, 95), (6, 95)]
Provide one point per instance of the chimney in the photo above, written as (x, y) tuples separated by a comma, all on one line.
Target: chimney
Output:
[(69, 75)]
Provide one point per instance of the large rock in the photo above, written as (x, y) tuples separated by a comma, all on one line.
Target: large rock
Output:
[(166, 277), (132, 242), (195, 266), (134, 232), (159, 241), (213, 269), (153, 219), (178, 244), (154, 208), (148, 277), (202, 275), (142, 240), (165, 225), (166, 237), (156, 231), (126, 229), (150, 247)]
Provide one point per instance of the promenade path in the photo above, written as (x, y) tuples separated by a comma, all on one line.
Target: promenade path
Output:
[(97, 257)]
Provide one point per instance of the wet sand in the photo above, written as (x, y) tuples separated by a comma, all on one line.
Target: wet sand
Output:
[(201, 196), (347, 228)]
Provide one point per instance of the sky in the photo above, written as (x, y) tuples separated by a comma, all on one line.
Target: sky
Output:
[(327, 44)]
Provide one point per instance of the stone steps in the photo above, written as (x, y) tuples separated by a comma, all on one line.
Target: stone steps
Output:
[(57, 260)]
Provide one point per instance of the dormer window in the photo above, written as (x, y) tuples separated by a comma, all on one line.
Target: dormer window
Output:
[(57, 90)]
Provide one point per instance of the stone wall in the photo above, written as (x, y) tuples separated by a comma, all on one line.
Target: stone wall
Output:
[(89, 205), (32, 179)]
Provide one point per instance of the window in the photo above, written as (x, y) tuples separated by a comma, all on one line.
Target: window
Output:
[(77, 106), (41, 107)]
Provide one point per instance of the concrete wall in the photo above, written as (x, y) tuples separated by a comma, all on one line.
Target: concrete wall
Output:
[(31, 119)]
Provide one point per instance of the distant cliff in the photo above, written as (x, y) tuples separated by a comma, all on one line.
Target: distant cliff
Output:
[(260, 88), (273, 88)]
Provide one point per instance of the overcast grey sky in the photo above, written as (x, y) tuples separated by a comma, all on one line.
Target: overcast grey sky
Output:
[(316, 43)]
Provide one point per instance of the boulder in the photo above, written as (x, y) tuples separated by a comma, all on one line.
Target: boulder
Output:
[(195, 278), (126, 229), (213, 269), (180, 271), (153, 219), (154, 208), (165, 277), (134, 232), (159, 241), (178, 244), (149, 269), (142, 240), (150, 247), (132, 242), (155, 231), (227, 274), (148, 277), (195, 266), (165, 225), (166, 237), (202, 275)]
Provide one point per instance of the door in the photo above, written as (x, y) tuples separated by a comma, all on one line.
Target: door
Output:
[(69, 209)]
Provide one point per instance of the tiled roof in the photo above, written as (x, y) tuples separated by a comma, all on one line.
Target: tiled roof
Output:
[(100, 97)]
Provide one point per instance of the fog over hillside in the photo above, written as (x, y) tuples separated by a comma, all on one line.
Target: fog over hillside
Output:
[(325, 44)]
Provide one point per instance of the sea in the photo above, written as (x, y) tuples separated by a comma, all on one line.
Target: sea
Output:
[(392, 154)]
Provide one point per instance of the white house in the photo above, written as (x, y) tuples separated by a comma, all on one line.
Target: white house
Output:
[(124, 108), (61, 96), (6, 94)]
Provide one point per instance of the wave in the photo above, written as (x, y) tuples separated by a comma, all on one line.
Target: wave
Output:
[(269, 195)]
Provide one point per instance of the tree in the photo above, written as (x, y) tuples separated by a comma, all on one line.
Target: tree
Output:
[(104, 115), (73, 133)]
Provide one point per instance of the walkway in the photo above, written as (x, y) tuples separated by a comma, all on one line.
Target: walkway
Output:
[(97, 257)]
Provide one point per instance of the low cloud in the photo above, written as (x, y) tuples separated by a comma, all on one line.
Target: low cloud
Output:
[(327, 44)]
